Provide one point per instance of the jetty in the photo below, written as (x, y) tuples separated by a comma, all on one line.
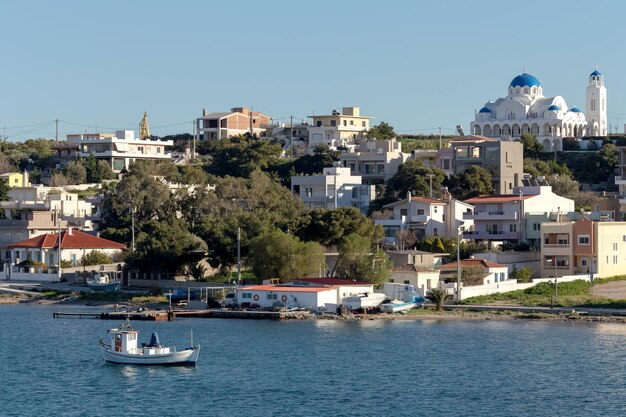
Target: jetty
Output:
[(164, 315)]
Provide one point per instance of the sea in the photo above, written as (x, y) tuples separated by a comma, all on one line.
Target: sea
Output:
[(53, 367)]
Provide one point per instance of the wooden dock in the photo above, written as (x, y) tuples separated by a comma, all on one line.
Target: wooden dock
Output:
[(163, 315)]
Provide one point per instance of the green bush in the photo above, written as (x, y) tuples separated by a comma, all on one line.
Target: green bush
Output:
[(95, 258)]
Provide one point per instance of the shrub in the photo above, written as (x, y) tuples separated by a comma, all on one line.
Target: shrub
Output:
[(95, 258)]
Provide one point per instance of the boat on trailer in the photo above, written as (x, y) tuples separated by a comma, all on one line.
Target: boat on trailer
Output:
[(104, 281), (122, 348), (363, 301)]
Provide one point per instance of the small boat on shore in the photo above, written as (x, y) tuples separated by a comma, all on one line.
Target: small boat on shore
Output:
[(363, 301), (103, 281), (122, 348), (396, 306)]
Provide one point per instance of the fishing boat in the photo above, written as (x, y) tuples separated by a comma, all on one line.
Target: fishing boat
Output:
[(122, 348), (396, 306), (363, 301), (104, 281)]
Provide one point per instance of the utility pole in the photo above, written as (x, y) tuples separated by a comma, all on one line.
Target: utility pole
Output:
[(56, 136), (193, 146), (132, 220), (59, 250), (238, 256), (439, 137), (291, 134), (430, 178)]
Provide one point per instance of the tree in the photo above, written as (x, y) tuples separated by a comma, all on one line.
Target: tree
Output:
[(563, 185), (407, 238), (608, 156), (276, 254), (75, 172), (95, 258), (382, 131), (473, 182), (329, 227), (240, 156), (413, 176), (438, 296), (521, 275), (532, 147), (356, 261), (165, 245)]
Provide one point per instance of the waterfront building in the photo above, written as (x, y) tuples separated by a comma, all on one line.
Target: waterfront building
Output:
[(375, 160), (583, 246), (267, 296), (424, 279), (335, 187), (338, 128), (482, 271), (503, 159), (238, 121), (526, 110), (119, 150)]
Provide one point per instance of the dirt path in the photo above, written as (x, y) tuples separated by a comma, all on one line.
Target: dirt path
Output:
[(615, 290)]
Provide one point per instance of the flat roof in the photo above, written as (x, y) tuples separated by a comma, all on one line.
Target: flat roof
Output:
[(285, 288)]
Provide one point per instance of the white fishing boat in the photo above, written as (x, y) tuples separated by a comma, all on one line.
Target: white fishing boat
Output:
[(363, 300), (104, 281), (122, 348), (397, 306)]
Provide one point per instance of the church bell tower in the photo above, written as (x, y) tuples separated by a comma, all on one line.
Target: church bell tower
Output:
[(597, 123)]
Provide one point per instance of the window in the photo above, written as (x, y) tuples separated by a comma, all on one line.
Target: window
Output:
[(381, 168), (319, 123), (510, 116), (443, 217), (583, 262), (246, 295), (435, 232), (536, 227), (363, 123), (309, 191), (272, 296), (435, 209), (446, 163), (403, 212), (593, 104), (407, 282), (345, 123), (615, 246), (351, 122), (614, 259), (333, 123), (583, 239), (420, 212), (355, 192), (513, 228)]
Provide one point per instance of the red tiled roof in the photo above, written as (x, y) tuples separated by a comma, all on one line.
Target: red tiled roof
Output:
[(473, 263), (285, 288), (497, 198), (74, 240), (332, 281)]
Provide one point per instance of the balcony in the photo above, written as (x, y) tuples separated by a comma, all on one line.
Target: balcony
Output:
[(491, 215), (491, 235), (620, 181), (420, 218)]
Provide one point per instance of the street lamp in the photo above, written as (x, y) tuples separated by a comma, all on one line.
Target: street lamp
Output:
[(458, 262)]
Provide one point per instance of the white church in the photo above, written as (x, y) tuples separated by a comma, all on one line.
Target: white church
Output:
[(526, 110)]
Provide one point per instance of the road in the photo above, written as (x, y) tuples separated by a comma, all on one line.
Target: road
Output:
[(547, 310)]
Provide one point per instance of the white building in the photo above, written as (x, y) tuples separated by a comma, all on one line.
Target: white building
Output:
[(334, 188), (120, 149), (265, 296), (338, 129), (526, 110), (425, 216), (491, 271), (375, 160)]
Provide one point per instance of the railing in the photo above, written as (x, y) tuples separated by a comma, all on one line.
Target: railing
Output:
[(556, 246)]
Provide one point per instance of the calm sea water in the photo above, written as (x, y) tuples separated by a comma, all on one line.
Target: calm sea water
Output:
[(53, 367)]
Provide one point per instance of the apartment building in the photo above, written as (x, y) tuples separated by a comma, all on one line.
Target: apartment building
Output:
[(503, 159), (335, 187), (501, 218), (375, 160), (119, 150), (583, 246), (338, 128), (425, 216), (238, 121)]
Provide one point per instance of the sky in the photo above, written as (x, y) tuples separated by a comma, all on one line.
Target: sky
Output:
[(417, 65)]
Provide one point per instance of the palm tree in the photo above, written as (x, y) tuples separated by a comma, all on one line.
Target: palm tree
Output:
[(439, 297), (197, 271)]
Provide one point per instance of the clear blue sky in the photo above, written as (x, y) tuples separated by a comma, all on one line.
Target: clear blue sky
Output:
[(414, 64)]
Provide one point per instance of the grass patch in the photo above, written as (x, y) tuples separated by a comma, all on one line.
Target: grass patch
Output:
[(571, 294), (599, 281)]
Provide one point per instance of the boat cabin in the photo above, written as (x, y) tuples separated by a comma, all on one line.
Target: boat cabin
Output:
[(124, 340)]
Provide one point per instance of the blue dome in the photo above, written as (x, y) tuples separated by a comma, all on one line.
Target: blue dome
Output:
[(525, 80), (575, 110), (484, 110), (554, 107), (596, 73)]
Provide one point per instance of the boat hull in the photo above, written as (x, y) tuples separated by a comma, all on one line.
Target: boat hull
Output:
[(396, 308), (112, 287), (187, 357)]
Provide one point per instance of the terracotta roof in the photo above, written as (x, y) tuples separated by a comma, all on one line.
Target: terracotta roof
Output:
[(332, 281), (285, 288), (473, 263), (419, 199), (498, 198), (74, 240)]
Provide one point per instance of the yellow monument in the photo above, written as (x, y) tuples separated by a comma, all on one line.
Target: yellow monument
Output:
[(144, 129)]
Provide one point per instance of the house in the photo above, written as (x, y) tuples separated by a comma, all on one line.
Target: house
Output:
[(477, 271), (375, 160), (238, 121), (583, 246), (421, 259), (265, 296), (436, 158), (294, 137), (69, 206), (425, 216), (25, 225), (501, 218), (423, 279), (336, 187), (337, 129), (503, 159), (15, 179), (74, 245), (119, 150)]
